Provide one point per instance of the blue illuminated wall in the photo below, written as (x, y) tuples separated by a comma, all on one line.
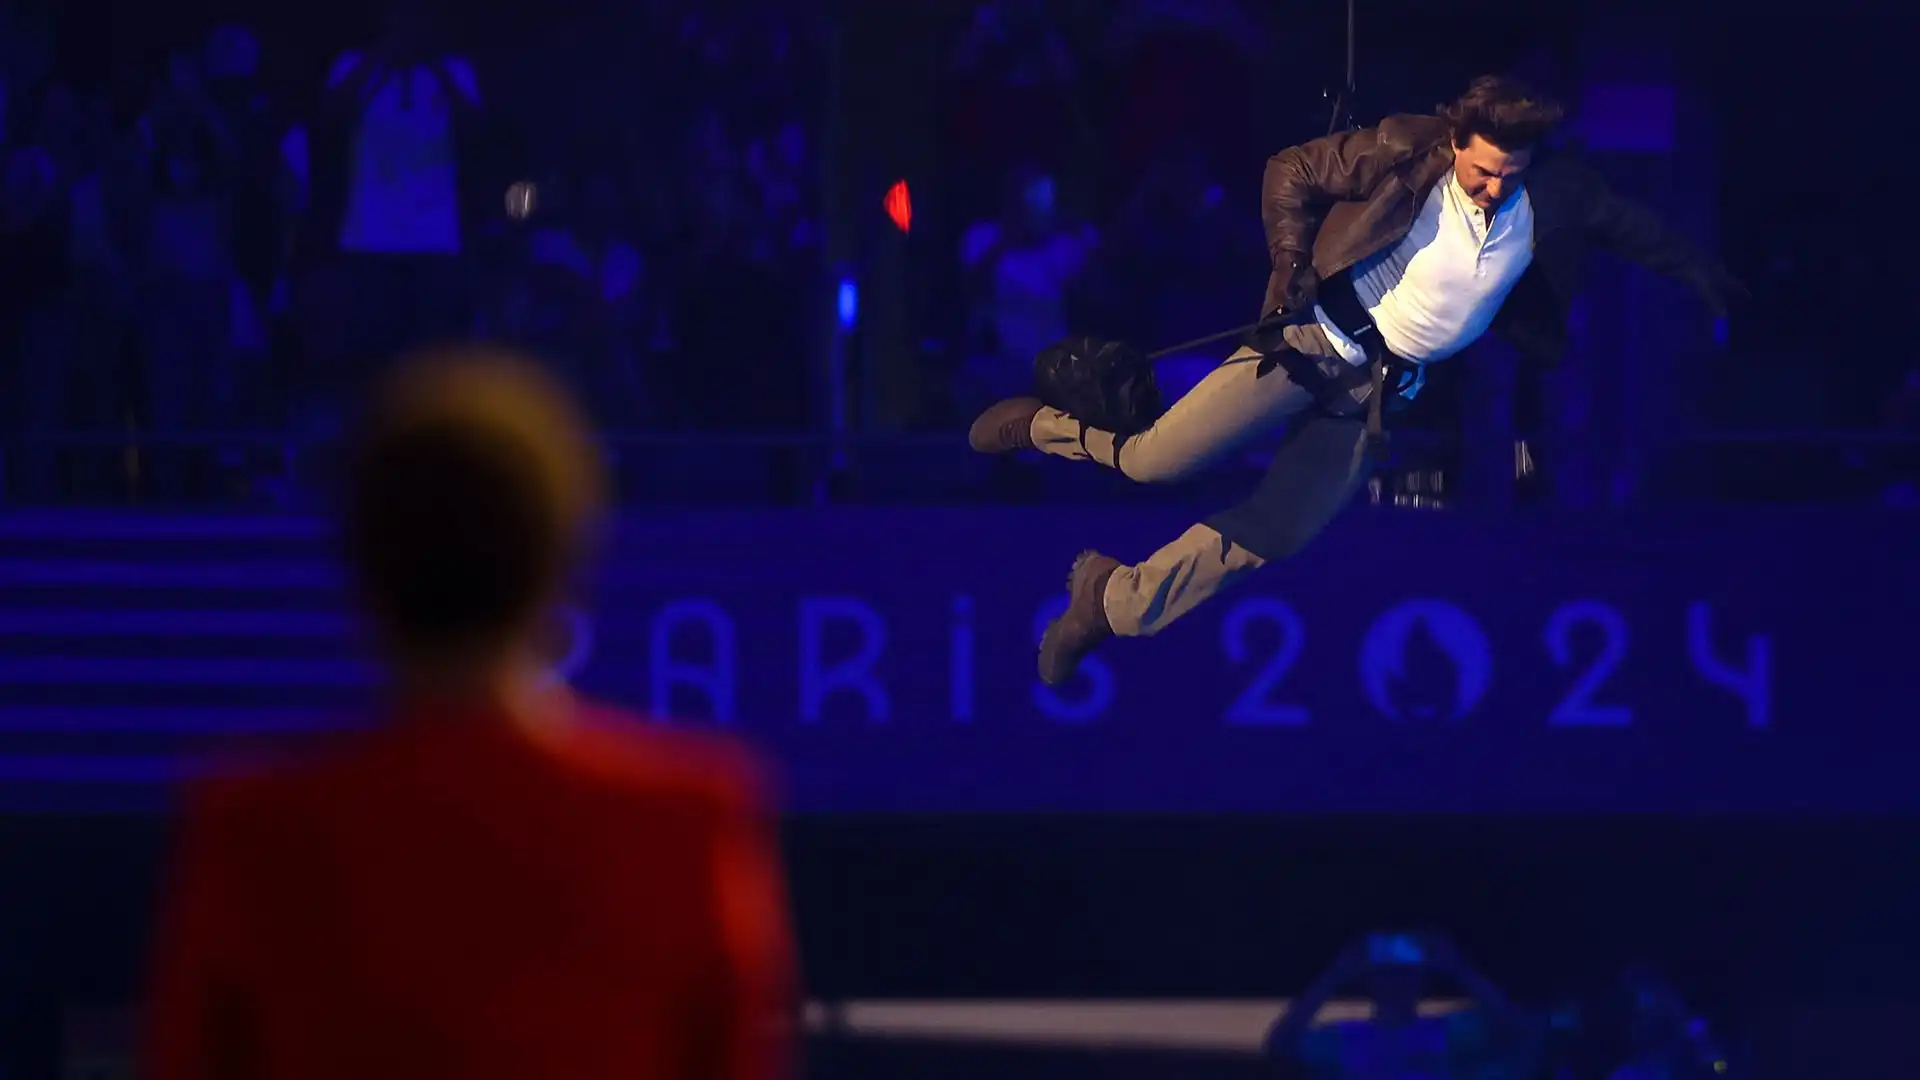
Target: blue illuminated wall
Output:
[(1408, 663)]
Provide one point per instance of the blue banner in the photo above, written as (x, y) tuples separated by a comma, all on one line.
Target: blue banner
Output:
[(1409, 662)]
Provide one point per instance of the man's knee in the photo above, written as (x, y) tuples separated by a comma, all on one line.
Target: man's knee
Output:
[(1138, 462), (1262, 535), (1286, 542)]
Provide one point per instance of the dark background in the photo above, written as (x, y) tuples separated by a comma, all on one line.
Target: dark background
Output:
[(1779, 926)]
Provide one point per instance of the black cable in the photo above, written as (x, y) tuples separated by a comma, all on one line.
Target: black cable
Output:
[(1269, 323), (1342, 118)]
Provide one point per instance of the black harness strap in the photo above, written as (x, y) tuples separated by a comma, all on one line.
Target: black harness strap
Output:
[(1344, 309)]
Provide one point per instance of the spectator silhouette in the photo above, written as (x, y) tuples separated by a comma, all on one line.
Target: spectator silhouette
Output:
[(189, 289), (585, 299), (501, 880), (394, 163), (1020, 270)]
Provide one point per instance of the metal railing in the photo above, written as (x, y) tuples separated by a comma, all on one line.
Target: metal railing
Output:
[(798, 440), (288, 456), (1801, 438)]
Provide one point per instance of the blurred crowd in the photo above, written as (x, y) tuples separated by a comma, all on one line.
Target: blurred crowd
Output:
[(227, 242), (1092, 171), (228, 247), (226, 237)]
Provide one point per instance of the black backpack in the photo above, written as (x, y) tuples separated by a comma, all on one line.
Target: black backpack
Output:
[(1107, 385)]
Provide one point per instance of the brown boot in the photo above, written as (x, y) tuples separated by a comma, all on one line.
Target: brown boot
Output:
[(1006, 426), (1083, 625)]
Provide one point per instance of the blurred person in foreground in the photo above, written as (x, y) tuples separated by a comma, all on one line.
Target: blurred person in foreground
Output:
[(502, 879), (1491, 1039)]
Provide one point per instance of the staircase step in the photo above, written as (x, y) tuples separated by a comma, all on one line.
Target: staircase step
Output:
[(302, 626), (161, 573), (128, 640), (78, 650), (286, 673), (256, 694), (44, 598), (85, 635), (170, 538), (95, 769), (16, 720), (187, 549)]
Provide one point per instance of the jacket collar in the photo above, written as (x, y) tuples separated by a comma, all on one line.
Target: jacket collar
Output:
[(1423, 172)]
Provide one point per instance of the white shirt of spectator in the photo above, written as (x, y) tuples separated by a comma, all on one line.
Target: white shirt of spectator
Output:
[(403, 194), (1029, 284), (1437, 290)]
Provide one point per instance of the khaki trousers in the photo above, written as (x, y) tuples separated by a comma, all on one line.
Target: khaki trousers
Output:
[(1323, 461)]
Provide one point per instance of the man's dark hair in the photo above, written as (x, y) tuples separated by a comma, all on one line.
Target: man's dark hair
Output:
[(468, 492), (1504, 111)]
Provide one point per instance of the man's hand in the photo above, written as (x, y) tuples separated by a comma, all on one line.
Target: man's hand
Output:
[(1303, 284), (1296, 300)]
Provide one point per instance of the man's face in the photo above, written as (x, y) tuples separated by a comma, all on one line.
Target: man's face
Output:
[(1487, 173)]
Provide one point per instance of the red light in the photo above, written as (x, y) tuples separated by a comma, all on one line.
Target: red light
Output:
[(899, 206)]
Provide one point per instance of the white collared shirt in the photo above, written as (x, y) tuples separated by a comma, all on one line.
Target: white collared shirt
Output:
[(404, 196), (1436, 291)]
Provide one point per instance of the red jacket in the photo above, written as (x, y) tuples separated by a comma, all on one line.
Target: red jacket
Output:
[(456, 896)]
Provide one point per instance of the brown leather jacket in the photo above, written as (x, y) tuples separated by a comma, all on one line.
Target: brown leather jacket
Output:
[(1350, 195)]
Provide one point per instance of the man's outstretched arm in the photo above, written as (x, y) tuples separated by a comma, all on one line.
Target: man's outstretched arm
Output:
[(1636, 233)]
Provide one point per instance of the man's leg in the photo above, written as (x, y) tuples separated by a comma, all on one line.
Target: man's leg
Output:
[(1235, 402), (1316, 472), (1321, 464)]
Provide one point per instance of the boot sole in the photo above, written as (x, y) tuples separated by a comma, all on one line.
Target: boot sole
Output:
[(984, 438), (1049, 639)]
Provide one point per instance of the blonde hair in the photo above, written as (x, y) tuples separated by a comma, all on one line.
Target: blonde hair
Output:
[(470, 493)]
